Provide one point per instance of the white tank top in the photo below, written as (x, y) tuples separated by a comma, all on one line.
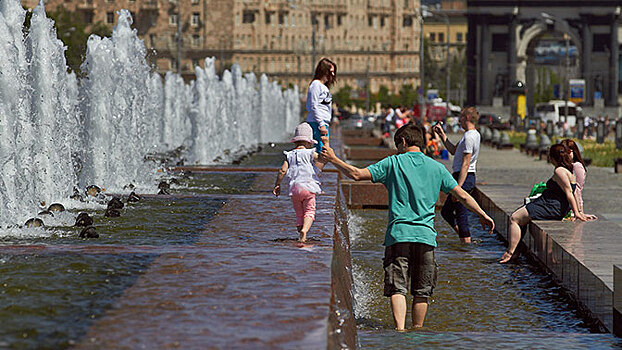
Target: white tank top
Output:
[(301, 171)]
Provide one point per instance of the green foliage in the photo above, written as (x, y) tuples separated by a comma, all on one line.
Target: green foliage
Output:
[(74, 34), (408, 95), (342, 96), (544, 89)]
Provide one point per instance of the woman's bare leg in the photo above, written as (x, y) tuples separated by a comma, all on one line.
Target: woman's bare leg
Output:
[(519, 218)]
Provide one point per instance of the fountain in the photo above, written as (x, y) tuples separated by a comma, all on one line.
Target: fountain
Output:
[(58, 131)]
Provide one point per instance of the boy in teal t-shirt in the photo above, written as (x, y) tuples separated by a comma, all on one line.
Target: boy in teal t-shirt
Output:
[(413, 182)]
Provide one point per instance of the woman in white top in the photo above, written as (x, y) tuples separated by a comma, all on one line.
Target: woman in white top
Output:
[(319, 100)]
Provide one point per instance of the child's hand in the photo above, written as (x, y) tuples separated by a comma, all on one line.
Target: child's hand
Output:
[(325, 140), (276, 191)]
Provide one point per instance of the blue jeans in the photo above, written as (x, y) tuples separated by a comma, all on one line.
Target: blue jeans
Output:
[(316, 135), (454, 212)]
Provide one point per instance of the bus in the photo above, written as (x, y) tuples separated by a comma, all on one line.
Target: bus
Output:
[(554, 111)]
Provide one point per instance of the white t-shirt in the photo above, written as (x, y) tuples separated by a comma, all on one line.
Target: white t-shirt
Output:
[(468, 144), (319, 103), (390, 116), (301, 170)]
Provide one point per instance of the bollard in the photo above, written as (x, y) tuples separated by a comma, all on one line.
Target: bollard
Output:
[(487, 135), (580, 127), (619, 133), (531, 142), (504, 142), (543, 146), (496, 137), (600, 131), (549, 128)]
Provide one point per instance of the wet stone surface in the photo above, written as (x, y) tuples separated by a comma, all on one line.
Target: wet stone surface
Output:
[(211, 265)]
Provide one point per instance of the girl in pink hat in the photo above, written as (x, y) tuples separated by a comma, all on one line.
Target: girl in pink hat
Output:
[(302, 168)]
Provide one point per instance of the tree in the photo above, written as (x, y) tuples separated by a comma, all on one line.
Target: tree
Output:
[(408, 95), (74, 34), (342, 96)]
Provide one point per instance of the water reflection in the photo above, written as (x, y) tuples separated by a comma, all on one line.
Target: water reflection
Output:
[(477, 302)]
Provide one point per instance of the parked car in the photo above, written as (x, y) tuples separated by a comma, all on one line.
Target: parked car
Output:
[(493, 121)]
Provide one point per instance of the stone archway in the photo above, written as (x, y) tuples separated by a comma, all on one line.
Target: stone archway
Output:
[(534, 32)]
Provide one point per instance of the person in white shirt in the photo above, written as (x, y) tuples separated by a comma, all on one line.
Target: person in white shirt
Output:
[(319, 100), (465, 161), (388, 119)]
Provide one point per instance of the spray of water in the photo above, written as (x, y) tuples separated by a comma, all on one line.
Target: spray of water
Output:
[(57, 131)]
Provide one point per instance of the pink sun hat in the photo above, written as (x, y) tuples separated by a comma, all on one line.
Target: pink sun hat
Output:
[(303, 133)]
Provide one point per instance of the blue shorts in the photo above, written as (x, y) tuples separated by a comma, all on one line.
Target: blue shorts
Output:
[(316, 135)]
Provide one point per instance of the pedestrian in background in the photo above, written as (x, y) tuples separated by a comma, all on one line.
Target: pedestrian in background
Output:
[(465, 154)]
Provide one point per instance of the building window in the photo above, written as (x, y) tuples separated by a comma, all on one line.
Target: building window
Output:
[(339, 20), (601, 42), (196, 19), (88, 17), (432, 37), (381, 21), (459, 37), (281, 18), (268, 17), (110, 17), (441, 37), (172, 64), (248, 17), (407, 21), (196, 40), (500, 42), (172, 19), (370, 21)]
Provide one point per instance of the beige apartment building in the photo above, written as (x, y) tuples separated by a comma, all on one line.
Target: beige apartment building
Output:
[(372, 41)]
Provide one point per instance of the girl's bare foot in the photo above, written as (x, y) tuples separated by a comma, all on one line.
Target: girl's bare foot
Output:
[(506, 257)]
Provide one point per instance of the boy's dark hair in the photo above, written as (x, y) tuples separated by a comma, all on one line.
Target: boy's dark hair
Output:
[(413, 134)]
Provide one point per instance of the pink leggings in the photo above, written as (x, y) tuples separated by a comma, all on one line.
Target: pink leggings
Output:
[(304, 204)]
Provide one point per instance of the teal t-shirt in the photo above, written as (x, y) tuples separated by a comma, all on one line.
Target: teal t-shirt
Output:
[(413, 181)]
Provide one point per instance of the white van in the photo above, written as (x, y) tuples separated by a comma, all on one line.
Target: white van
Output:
[(554, 109)]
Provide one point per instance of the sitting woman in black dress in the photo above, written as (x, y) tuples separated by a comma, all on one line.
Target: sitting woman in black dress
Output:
[(553, 204)]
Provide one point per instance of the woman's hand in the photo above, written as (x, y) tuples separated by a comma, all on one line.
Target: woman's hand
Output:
[(276, 191), (585, 217)]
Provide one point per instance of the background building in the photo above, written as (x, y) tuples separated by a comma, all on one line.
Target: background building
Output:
[(373, 42)]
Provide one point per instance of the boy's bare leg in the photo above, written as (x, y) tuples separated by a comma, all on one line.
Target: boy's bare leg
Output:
[(306, 225), (398, 306), (420, 308)]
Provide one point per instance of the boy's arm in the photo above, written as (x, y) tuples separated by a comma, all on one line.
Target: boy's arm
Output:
[(350, 171), (279, 177)]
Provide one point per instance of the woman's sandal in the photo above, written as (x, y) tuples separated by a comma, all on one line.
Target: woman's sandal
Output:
[(507, 257)]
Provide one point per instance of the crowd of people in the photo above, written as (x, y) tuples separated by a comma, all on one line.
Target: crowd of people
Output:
[(414, 180)]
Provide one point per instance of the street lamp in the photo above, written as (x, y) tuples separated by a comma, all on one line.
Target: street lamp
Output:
[(447, 75), (423, 12)]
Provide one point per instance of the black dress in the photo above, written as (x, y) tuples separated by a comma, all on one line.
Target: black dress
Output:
[(551, 205)]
